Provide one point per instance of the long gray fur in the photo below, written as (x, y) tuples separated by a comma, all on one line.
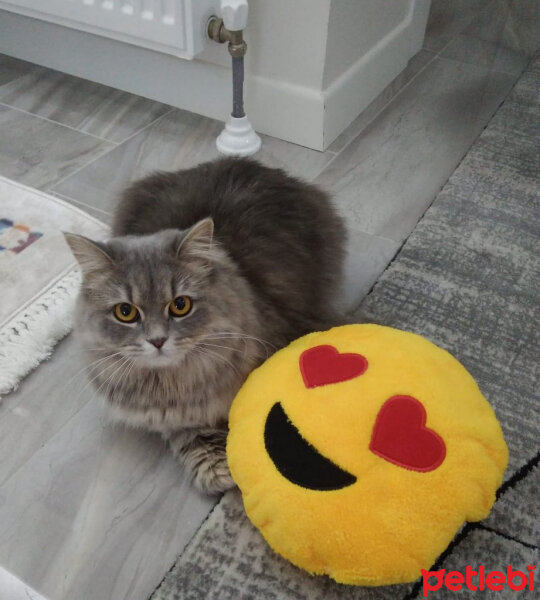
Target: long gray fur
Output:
[(259, 253)]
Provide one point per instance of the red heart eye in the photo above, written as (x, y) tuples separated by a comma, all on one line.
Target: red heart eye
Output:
[(323, 365), (401, 437)]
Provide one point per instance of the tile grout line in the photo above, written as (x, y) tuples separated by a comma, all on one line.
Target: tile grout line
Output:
[(50, 189), (103, 139), (458, 33), (188, 544), (76, 171), (171, 109), (489, 70), (439, 54), (404, 241), (436, 55), (376, 235), (79, 203), (46, 119), (337, 154)]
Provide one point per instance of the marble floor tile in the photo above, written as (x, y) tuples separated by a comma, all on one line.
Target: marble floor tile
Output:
[(514, 25), (39, 153), (367, 257), (97, 513), (84, 105), (104, 217), (414, 66), (489, 23), (473, 50), (522, 28), (387, 177), (12, 68), (178, 140), (449, 18), (43, 403), (481, 43)]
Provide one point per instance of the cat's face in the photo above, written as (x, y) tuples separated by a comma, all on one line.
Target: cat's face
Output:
[(148, 298)]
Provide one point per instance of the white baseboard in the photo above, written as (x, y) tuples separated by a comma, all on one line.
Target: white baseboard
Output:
[(302, 115), (353, 91)]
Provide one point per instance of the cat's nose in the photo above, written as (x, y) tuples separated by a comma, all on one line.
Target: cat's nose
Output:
[(158, 342)]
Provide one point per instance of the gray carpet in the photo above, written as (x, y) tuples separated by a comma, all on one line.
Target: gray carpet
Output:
[(468, 278)]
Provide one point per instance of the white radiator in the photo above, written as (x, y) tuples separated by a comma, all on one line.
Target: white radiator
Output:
[(176, 27)]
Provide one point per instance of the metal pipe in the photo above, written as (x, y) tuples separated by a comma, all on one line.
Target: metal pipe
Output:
[(237, 49), (238, 137), (238, 87)]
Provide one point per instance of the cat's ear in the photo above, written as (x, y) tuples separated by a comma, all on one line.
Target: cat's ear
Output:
[(197, 243), (91, 256)]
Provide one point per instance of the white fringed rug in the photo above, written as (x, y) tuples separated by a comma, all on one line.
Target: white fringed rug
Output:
[(39, 279)]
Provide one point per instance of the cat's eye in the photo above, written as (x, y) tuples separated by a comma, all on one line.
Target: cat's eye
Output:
[(126, 312), (180, 306)]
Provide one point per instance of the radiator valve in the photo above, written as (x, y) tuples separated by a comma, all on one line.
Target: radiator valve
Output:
[(238, 137)]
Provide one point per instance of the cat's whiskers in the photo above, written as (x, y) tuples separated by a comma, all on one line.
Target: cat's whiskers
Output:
[(115, 362), (122, 375), (219, 346), (208, 352), (107, 381), (98, 393), (224, 335), (89, 367), (241, 334), (131, 369), (256, 351), (95, 349)]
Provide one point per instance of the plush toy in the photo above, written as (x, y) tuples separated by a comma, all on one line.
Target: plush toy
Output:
[(361, 451)]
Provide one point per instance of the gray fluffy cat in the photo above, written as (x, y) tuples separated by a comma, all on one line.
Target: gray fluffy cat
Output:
[(210, 271)]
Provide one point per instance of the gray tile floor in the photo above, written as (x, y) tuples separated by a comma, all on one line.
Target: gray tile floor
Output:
[(90, 513)]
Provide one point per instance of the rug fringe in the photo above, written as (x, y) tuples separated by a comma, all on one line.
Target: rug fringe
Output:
[(31, 335)]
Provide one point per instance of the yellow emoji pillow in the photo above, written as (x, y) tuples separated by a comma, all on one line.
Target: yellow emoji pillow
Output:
[(361, 451)]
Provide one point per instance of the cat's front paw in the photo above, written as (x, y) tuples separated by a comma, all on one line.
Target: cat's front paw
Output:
[(213, 476), (203, 454)]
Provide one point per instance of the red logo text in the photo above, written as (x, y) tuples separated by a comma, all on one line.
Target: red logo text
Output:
[(478, 580)]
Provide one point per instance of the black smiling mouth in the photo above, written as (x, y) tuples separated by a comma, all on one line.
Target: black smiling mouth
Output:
[(296, 459)]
